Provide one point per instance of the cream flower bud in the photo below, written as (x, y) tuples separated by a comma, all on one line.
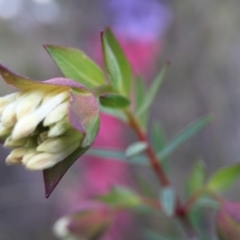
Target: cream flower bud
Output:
[(8, 118), (56, 114), (16, 156), (59, 128), (10, 143), (6, 100), (61, 229), (54, 145), (47, 160), (29, 154), (4, 131)]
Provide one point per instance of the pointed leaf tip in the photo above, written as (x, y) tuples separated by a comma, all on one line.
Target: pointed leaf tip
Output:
[(116, 63), (52, 176), (224, 178), (151, 94), (135, 149)]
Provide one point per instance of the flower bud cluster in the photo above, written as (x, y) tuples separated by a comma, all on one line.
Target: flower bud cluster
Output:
[(34, 124)]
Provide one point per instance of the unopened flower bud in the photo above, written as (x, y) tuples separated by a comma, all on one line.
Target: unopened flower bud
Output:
[(6, 100), (58, 144), (16, 156), (228, 221), (10, 143), (8, 117), (59, 128), (28, 155), (56, 114), (86, 224), (4, 131)]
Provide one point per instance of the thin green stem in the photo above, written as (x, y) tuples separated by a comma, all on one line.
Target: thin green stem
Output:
[(155, 163), (180, 210)]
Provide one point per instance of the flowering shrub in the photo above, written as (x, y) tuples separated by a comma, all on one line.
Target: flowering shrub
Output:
[(48, 125)]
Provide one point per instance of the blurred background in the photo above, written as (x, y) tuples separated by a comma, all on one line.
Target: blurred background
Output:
[(202, 39)]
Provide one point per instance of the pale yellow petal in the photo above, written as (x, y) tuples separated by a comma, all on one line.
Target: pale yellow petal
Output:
[(56, 114), (30, 153), (16, 156), (58, 144), (8, 118), (29, 102), (4, 131), (4, 101), (47, 160), (59, 128), (10, 143), (27, 124)]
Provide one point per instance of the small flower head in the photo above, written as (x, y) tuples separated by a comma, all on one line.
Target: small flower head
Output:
[(45, 122)]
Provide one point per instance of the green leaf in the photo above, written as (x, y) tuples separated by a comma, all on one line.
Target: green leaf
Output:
[(152, 235), (152, 92), (196, 178), (207, 202), (113, 100), (139, 92), (117, 155), (114, 113), (121, 197), (116, 63), (224, 178), (195, 218), (144, 210), (158, 137), (158, 141), (75, 65), (183, 136), (101, 90), (168, 199), (136, 148), (139, 98)]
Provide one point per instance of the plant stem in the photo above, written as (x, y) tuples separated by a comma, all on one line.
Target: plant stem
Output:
[(180, 210), (133, 122)]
